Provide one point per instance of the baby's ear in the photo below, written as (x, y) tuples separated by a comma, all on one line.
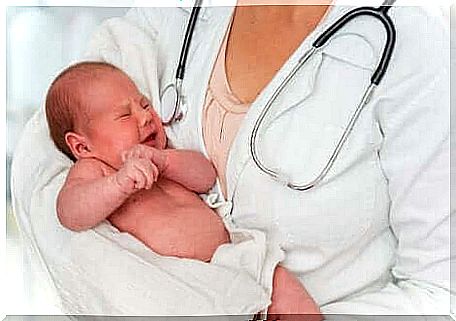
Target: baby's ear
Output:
[(78, 145)]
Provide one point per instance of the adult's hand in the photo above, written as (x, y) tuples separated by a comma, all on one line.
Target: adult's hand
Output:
[(290, 300)]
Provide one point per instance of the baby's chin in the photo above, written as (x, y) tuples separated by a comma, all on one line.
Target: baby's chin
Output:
[(155, 143), (161, 144), (158, 141)]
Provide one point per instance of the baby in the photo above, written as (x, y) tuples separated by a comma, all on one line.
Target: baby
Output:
[(125, 173)]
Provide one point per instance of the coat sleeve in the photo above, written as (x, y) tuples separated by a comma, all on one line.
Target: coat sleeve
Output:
[(413, 117)]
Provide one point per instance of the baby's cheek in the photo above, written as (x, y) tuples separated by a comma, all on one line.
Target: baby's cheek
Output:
[(115, 159), (119, 148)]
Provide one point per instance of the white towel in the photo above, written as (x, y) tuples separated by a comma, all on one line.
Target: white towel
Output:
[(103, 271)]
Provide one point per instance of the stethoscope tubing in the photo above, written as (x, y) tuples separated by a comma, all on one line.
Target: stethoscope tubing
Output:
[(187, 40), (176, 87), (380, 13)]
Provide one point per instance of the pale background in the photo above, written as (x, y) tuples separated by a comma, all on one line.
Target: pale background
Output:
[(40, 42)]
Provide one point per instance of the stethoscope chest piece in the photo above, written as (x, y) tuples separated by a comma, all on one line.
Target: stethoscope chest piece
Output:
[(173, 107)]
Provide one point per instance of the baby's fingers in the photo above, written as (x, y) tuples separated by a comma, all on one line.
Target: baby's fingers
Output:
[(128, 154), (124, 156), (139, 177), (140, 180), (149, 170), (155, 172), (136, 151)]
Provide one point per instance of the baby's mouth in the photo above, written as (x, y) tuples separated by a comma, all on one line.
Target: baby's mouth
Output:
[(150, 140)]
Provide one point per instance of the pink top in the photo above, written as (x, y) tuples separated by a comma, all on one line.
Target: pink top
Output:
[(222, 117)]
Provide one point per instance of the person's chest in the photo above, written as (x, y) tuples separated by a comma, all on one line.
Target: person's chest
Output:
[(304, 122), (260, 41)]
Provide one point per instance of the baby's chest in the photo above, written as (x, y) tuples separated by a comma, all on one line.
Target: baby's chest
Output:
[(163, 203), (144, 203)]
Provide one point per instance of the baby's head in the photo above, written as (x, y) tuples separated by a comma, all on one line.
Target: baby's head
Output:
[(94, 110)]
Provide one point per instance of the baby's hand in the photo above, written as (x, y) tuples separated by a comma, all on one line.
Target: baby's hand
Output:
[(156, 156), (136, 174)]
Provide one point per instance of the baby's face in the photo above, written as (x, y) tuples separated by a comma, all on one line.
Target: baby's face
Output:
[(119, 118)]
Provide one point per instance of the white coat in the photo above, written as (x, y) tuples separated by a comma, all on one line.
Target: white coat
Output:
[(374, 237)]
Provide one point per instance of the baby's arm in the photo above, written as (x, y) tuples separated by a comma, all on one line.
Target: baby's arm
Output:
[(89, 195), (190, 169), (186, 167)]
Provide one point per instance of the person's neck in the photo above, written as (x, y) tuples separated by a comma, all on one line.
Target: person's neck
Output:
[(267, 11), (303, 3)]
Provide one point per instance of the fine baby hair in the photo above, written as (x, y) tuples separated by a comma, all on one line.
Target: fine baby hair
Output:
[(65, 109)]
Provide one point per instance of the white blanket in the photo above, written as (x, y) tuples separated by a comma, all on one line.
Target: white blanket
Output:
[(103, 271)]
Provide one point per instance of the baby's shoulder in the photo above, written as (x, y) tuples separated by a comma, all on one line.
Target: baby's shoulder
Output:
[(89, 168)]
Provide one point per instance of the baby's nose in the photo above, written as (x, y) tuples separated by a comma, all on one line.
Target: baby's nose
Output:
[(146, 117)]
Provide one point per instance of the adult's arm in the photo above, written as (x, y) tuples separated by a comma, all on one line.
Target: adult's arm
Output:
[(413, 115)]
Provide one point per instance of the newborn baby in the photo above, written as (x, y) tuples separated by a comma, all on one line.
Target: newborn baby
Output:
[(125, 173)]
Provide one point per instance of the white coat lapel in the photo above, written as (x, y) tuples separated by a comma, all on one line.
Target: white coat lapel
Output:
[(203, 14), (206, 40)]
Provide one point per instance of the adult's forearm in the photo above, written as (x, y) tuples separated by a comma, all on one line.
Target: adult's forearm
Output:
[(83, 205)]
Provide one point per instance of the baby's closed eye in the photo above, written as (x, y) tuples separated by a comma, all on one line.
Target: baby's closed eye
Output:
[(123, 114)]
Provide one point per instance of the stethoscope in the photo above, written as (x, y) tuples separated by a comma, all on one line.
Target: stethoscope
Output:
[(173, 98)]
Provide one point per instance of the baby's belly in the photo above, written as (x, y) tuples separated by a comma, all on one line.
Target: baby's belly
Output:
[(172, 221)]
